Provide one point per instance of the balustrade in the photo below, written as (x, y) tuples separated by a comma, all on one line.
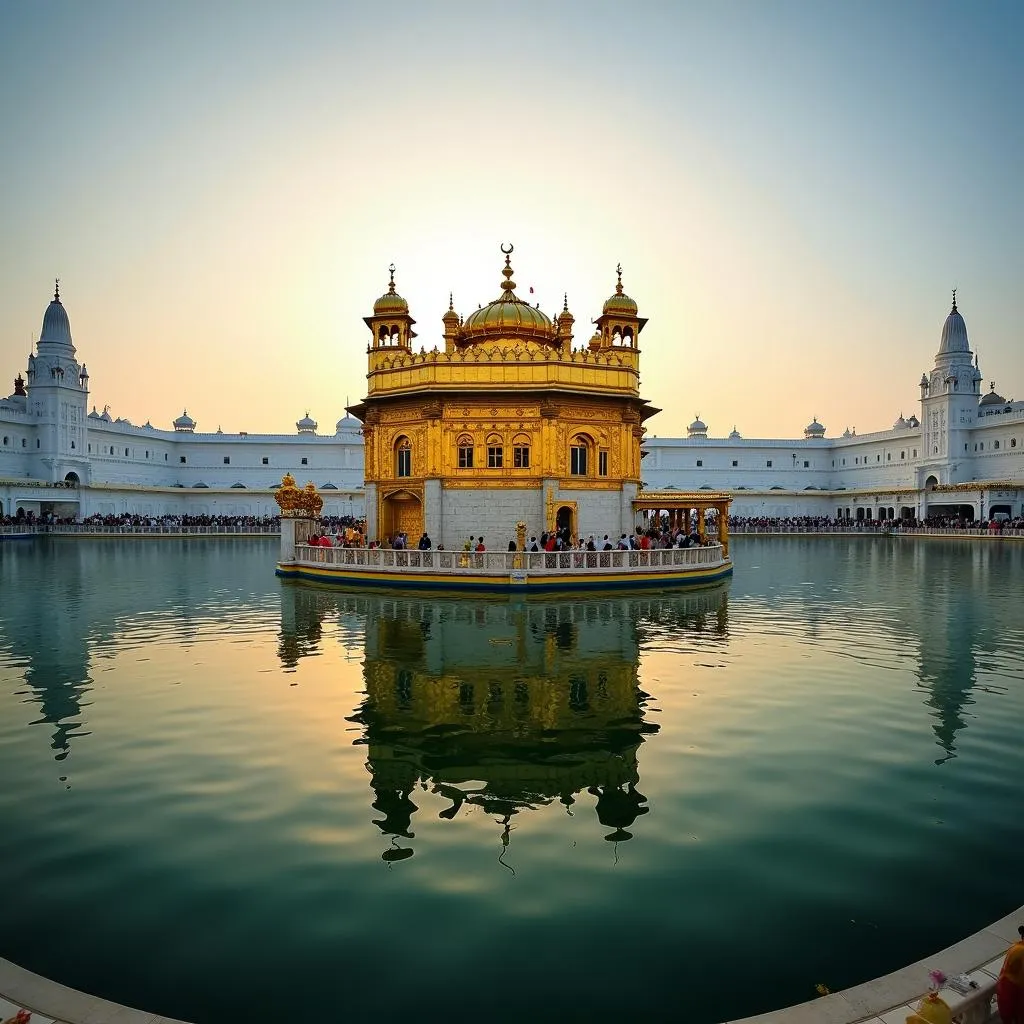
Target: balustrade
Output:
[(505, 562)]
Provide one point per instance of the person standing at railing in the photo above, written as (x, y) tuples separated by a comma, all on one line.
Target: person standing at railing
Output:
[(1010, 986)]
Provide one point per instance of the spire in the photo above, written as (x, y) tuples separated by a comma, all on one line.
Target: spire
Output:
[(451, 318), (508, 285), (391, 283), (56, 289), (618, 287), (565, 302), (954, 301)]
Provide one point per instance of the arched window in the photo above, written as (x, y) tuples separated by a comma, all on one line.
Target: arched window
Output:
[(403, 457), (382, 335), (495, 452), (465, 445), (579, 455), (627, 337), (1013, 442), (997, 446), (521, 452)]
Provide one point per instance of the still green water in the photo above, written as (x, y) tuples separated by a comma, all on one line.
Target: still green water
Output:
[(226, 798)]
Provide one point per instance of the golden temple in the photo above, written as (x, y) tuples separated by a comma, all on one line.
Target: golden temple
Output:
[(508, 422)]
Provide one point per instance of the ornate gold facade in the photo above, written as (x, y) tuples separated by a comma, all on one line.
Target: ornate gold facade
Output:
[(508, 402)]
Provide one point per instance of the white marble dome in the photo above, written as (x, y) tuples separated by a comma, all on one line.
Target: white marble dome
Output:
[(954, 333), (185, 422), (56, 326)]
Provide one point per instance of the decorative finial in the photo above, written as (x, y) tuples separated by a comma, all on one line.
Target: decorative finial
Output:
[(565, 302), (451, 302), (508, 285), (954, 300), (992, 385), (391, 285), (56, 289), (618, 287)]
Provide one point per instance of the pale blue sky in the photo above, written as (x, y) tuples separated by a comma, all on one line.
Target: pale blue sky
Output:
[(792, 189)]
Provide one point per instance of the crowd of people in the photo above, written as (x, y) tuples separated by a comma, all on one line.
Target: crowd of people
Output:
[(555, 540), (349, 531), (132, 522)]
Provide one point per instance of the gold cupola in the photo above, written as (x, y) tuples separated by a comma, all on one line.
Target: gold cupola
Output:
[(619, 303), (391, 301), (508, 316), (618, 326), (391, 324)]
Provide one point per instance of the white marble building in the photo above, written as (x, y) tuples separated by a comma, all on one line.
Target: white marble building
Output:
[(961, 450), (57, 456)]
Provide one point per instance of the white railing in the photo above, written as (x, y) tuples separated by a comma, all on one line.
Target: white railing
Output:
[(506, 562), (975, 1007), (16, 531)]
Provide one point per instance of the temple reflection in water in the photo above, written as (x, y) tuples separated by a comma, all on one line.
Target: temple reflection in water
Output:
[(505, 706)]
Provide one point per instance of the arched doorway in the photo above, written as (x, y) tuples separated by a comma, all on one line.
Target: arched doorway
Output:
[(931, 483), (72, 480), (401, 512), (565, 519)]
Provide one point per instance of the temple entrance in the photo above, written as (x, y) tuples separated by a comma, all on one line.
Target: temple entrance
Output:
[(565, 519), (401, 512)]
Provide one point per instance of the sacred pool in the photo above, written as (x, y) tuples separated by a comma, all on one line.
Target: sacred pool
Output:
[(231, 797)]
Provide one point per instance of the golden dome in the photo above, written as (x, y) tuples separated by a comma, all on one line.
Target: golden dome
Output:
[(390, 301), (508, 314), (620, 302)]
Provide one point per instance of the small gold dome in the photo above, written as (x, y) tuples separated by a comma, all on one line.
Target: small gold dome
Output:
[(620, 302), (508, 314), (390, 301)]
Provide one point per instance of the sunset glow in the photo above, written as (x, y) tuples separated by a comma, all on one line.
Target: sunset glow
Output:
[(792, 191)]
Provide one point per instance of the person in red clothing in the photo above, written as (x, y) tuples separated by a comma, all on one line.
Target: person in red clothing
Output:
[(1010, 986), (480, 545)]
